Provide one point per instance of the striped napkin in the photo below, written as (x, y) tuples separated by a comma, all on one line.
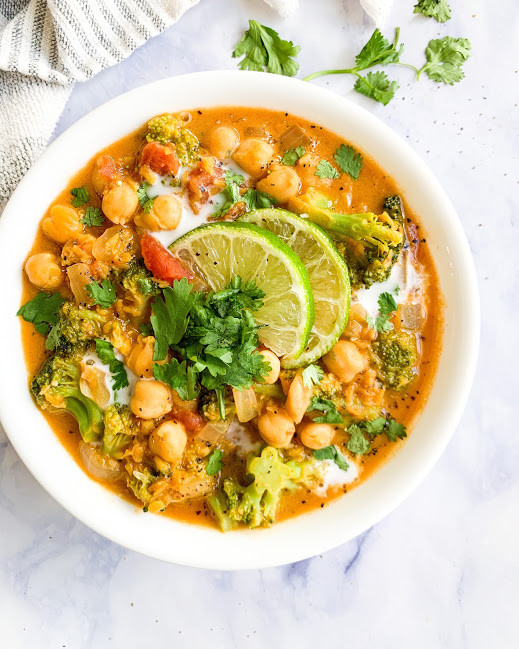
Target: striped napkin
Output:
[(48, 45)]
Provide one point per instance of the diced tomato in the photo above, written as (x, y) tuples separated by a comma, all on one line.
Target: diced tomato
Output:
[(106, 166), (192, 421), (204, 180), (160, 262), (160, 158)]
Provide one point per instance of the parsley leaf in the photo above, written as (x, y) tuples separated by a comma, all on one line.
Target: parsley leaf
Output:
[(292, 156), (313, 374), (331, 453), (93, 217), (357, 443), (80, 196), (144, 200), (349, 160), (379, 51), (42, 311), (106, 353), (169, 316), (437, 9), (214, 464), (325, 170), (377, 86), (103, 293), (328, 408), (445, 57), (263, 49)]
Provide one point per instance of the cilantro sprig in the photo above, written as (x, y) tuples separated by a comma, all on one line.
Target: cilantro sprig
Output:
[(331, 453), (264, 50), (253, 199), (42, 311), (386, 306), (212, 338), (312, 375), (326, 170), (328, 408), (349, 160), (93, 217), (437, 9), (361, 433), (214, 464), (144, 200), (80, 196), (102, 293), (106, 353), (291, 156)]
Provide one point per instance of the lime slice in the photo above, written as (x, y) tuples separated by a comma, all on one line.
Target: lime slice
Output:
[(217, 252), (328, 272)]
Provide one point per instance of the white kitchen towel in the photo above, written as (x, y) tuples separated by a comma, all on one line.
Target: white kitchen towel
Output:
[(48, 45)]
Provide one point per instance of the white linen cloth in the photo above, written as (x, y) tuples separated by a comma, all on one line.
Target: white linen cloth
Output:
[(48, 45)]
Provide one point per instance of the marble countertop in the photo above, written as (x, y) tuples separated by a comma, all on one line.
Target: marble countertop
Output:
[(440, 571)]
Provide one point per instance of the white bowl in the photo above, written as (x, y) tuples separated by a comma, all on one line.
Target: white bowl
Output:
[(306, 535)]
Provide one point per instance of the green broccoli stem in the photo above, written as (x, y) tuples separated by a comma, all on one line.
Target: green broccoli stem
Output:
[(355, 226), (88, 414)]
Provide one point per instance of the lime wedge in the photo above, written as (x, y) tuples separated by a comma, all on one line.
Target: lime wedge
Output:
[(217, 252), (329, 277)]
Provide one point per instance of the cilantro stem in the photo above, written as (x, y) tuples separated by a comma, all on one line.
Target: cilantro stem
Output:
[(221, 402), (323, 73), (411, 67)]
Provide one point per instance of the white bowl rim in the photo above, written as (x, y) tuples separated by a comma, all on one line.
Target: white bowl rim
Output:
[(309, 534)]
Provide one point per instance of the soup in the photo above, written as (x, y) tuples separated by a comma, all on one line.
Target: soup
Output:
[(231, 316)]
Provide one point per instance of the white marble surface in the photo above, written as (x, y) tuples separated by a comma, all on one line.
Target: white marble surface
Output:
[(443, 569)]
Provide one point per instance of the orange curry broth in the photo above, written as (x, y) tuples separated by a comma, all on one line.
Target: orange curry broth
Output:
[(366, 194)]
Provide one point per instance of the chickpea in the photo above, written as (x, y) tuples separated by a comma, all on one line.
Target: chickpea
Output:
[(222, 141), (275, 366), (316, 436), (120, 203), (253, 156), (44, 271), (276, 427), (168, 440), (282, 183), (298, 398), (150, 399), (345, 360), (115, 247), (104, 170), (140, 360), (165, 214), (62, 223)]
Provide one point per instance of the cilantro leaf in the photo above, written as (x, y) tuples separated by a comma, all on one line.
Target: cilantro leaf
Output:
[(325, 170), (169, 316), (292, 156), (313, 374), (93, 217), (231, 193), (146, 329), (331, 453), (256, 200), (42, 311), (377, 86), (264, 50), (144, 200), (179, 376), (386, 305), (375, 426), (357, 443), (349, 160), (379, 51), (106, 353), (394, 430), (103, 293), (328, 408), (445, 58), (80, 196), (214, 464), (437, 9)]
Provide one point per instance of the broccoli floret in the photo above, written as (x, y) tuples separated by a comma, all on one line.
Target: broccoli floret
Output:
[(369, 242), (209, 406), (120, 426), (257, 503), (168, 128), (75, 325), (139, 285), (139, 482), (395, 357), (56, 387)]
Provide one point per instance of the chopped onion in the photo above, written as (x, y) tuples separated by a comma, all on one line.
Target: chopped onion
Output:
[(411, 316), (93, 384), (246, 404), (99, 466), (79, 276), (213, 431)]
